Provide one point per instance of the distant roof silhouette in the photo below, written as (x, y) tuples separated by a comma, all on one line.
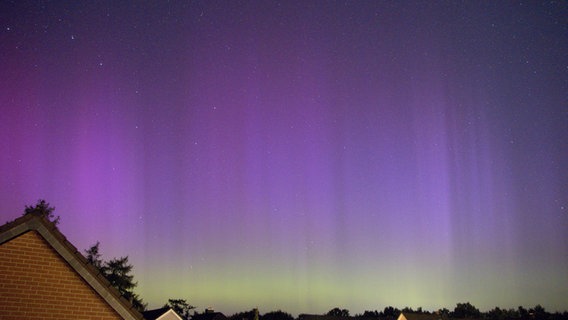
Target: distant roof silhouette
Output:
[(156, 314), (419, 316), (209, 315)]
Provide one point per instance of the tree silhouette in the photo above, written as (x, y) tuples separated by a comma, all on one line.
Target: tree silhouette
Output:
[(523, 313), (181, 307), (539, 313), (407, 310), (249, 315), (444, 312), (337, 312), (94, 257), (390, 312), (42, 208), (276, 315), (118, 272), (466, 310), (369, 314), (501, 314)]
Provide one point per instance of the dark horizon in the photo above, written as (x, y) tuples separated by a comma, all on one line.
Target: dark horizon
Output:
[(461, 310)]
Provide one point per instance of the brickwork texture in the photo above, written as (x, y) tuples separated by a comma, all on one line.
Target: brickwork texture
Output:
[(36, 283)]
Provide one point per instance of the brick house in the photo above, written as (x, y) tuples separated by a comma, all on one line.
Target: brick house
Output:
[(43, 276)]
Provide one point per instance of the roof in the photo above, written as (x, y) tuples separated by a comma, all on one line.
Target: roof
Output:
[(209, 316), (419, 316), (92, 276), (157, 314)]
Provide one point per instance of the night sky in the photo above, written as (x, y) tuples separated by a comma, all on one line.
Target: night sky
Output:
[(298, 155)]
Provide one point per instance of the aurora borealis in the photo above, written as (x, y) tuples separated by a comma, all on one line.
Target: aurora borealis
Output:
[(298, 155)]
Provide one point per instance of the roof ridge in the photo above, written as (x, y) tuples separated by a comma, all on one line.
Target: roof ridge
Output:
[(68, 252)]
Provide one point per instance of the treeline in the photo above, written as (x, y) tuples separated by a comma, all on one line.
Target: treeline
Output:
[(468, 311), (461, 311)]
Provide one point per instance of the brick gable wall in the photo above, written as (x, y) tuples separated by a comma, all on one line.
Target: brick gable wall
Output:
[(36, 283)]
